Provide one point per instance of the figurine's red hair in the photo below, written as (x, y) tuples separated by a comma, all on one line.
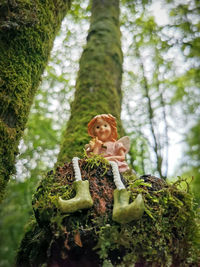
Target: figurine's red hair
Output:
[(109, 119)]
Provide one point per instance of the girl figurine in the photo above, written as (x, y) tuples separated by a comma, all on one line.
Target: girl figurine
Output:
[(103, 129)]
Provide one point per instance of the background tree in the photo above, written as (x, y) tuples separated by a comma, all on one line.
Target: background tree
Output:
[(146, 82), (27, 32), (161, 74), (184, 28)]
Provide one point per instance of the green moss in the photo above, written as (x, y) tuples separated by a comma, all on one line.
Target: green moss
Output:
[(27, 32), (98, 86), (45, 201), (96, 160), (167, 234)]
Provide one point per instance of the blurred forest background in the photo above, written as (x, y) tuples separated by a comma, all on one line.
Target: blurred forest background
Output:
[(161, 112)]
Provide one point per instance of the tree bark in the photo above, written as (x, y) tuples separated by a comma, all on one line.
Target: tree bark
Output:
[(27, 32), (98, 86)]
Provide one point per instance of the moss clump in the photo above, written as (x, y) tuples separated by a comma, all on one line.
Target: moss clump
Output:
[(96, 160), (166, 235), (27, 31)]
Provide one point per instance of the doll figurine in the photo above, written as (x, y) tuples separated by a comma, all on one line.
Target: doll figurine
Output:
[(103, 130)]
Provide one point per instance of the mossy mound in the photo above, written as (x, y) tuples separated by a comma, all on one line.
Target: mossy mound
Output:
[(166, 235)]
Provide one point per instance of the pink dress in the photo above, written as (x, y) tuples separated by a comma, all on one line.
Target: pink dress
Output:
[(112, 149)]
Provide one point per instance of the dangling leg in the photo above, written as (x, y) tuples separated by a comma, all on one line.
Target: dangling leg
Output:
[(83, 199), (123, 212)]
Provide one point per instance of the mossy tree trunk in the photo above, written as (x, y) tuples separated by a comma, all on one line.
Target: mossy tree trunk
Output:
[(98, 86), (27, 31)]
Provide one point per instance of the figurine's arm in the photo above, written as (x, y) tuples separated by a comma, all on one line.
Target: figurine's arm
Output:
[(120, 156)]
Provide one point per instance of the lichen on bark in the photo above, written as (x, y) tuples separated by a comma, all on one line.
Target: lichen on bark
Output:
[(27, 31)]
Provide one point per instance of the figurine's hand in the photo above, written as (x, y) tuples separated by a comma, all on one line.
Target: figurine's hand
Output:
[(91, 144), (98, 143), (97, 146), (95, 143)]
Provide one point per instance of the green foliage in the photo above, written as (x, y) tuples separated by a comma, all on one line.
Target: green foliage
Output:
[(193, 142), (146, 89), (191, 161), (184, 20), (15, 211), (163, 80)]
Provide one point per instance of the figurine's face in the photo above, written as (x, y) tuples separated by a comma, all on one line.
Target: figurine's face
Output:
[(102, 130)]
